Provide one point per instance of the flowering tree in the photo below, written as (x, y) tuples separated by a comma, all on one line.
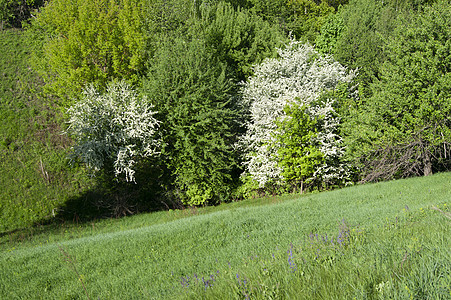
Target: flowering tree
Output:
[(112, 130), (299, 76)]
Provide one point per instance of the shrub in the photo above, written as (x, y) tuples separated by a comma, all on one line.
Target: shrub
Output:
[(236, 37), (14, 12), (112, 131), (88, 42), (303, 18), (193, 83), (299, 155), (405, 128), (192, 94), (326, 41), (301, 75)]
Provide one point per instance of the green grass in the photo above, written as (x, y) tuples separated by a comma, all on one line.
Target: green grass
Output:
[(34, 176), (397, 247)]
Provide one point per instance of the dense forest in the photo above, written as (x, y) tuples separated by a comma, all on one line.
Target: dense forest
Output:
[(198, 102)]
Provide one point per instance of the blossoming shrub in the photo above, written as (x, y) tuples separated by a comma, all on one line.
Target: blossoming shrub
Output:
[(300, 76), (113, 130)]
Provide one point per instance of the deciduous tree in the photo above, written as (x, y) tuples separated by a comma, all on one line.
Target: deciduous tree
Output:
[(405, 128), (114, 130), (302, 75), (89, 42)]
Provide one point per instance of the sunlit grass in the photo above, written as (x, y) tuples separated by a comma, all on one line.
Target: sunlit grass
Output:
[(395, 240), (34, 176)]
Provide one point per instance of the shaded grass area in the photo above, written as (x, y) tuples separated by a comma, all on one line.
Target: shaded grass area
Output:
[(35, 178), (392, 232)]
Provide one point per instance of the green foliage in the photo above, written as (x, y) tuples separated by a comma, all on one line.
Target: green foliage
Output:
[(326, 41), (299, 157), (192, 94), (88, 42), (236, 37), (299, 74), (367, 25), (303, 18), (192, 82), (307, 17), (360, 44), (166, 17), (14, 12), (409, 111)]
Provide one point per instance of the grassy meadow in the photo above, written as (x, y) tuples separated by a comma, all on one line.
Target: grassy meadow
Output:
[(379, 241), (34, 177), (388, 240)]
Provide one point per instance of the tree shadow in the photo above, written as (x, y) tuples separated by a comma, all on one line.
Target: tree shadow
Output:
[(113, 198), (108, 198)]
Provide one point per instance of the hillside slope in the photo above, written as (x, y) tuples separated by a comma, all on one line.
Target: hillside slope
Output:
[(392, 224), (35, 177)]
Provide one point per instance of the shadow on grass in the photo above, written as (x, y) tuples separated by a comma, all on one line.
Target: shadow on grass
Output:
[(108, 199), (114, 201)]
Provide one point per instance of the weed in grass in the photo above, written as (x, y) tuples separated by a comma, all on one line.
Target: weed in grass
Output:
[(72, 264), (354, 263)]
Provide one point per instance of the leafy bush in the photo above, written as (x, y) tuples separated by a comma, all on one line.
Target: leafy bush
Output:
[(366, 26), (193, 84), (299, 157), (192, 94), (14, 12), (88, 42), (112, 131), (236, 37), (303, 18), (300, 75), (405, 128), (326, 41)]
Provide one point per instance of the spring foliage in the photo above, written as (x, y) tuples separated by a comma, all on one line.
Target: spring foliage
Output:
[(300, 76), (202, 65), (112, 131), (299, 156), (192, 94), (193, 83), (237, 37), (88, 42), (406, 127), (14, 12)]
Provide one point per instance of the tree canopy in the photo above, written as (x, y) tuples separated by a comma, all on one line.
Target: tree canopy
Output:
[(279, 94)]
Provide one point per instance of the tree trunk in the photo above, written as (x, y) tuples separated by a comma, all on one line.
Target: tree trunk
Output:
[(427, 170)]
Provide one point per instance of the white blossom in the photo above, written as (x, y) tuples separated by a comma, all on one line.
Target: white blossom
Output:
[(299, 74), (116, 125)]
